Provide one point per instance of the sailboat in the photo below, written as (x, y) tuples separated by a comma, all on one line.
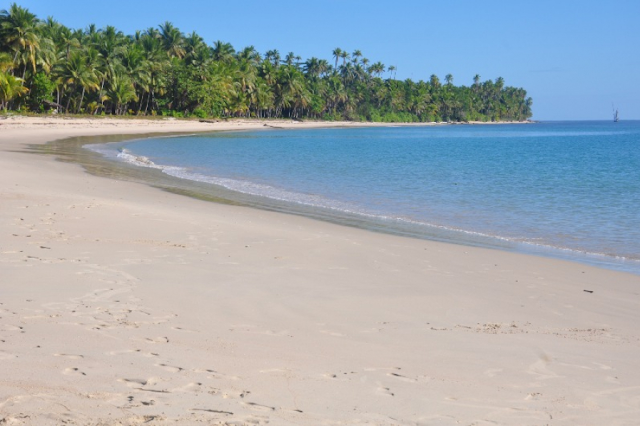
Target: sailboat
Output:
[(615, 115)]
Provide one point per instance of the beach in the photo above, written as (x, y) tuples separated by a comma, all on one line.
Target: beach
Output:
[(124, 304)]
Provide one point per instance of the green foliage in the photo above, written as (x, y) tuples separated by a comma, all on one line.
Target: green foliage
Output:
[(200, 113), (163, 71), (42, 89), (10, 88)]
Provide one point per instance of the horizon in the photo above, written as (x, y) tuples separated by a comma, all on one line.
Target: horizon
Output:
[(564, 66)]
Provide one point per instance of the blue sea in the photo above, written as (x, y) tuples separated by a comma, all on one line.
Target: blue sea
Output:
[(561, 189)]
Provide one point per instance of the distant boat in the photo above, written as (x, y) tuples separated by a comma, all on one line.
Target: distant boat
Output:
[(615, 115)]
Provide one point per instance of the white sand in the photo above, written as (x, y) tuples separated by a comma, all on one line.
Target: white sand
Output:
[(123, 304)]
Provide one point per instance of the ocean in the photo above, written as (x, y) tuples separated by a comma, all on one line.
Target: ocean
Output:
[(569, 190)]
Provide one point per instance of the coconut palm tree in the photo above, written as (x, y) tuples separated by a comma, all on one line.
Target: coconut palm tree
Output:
[(392, 71), (356, 55), (172, 40), (449, 79), (344, 55), (377, 69), (79, 74), (19, 32), (137, 67), (249, 54), (273, 56), (223, 52), (197, 52), (337, 54), (10, 88), (435, 81), (120, 92)]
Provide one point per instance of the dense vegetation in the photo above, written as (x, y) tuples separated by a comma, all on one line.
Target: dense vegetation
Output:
[(47, 66)]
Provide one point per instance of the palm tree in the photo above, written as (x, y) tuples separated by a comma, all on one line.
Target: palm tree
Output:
[(312, 67), (435, 81), (290, 58), (392, 70), (273, 56), (249, 54), (377, 69), (337, 54), (357, 54), (449, 79), (5, 62), (157, 62), (197, 52), (172, 40), (10, 88), (138, 69), (344, 55), (120, 92), (222, 52), (19, 32), (78, 73)]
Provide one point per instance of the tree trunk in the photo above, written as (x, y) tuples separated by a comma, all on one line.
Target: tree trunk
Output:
[(140, 105), (81, 99)]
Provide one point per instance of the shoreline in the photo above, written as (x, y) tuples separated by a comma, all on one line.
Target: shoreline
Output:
[(123, 303), (429, 232)]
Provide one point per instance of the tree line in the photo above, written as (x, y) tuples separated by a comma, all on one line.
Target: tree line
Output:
[(46, 66)]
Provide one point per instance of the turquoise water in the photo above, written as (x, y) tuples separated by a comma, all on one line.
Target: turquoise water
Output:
[(564, 189)]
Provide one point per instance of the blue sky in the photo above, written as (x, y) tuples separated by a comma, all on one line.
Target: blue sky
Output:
[(575, 58)]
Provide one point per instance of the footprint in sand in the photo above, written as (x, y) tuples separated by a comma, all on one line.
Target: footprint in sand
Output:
[(70, 356), (170, 368), (342, 375), (184, 329), (381, 390), (156, 340), (211, 410), (533, 395), (193, 387), (73, 371), (258, 407), (133, 351), (402, 378), (8, 327), (134, 383), (142, 385), (231, 394), (217, 375)]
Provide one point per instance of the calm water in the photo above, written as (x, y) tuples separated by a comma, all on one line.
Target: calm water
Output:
[(564, 189)]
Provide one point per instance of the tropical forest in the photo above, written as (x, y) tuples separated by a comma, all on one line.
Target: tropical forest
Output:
[(46, 67)]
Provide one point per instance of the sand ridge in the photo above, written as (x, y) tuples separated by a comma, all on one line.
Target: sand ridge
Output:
[(123, 304)]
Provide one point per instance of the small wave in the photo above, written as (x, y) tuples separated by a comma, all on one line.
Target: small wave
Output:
[(137, 160)]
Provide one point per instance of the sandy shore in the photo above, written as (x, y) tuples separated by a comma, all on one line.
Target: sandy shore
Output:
[(124, 304)]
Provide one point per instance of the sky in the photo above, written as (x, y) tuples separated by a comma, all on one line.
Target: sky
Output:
[(576, 58)]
